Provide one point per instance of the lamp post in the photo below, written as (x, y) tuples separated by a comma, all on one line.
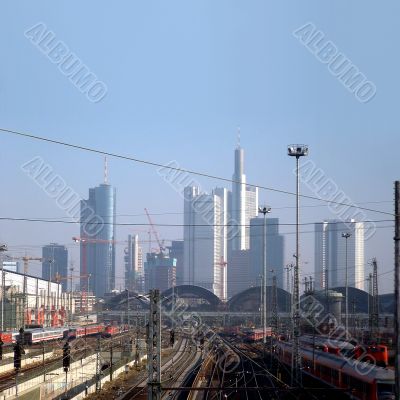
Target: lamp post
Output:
[(297, 150), (127, 308), (264, 210), (3, 248), (346, 236)]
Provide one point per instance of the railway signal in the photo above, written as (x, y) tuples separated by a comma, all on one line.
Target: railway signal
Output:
[(66, 357), (18, 351), (21, 338)]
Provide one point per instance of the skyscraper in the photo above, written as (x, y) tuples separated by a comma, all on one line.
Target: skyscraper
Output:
[(244, 205), (176, 251), (98, 239), (238, 272), (275, 251), (134, 275), (159, 272), (330, 254), (205, 244), (55, 263)]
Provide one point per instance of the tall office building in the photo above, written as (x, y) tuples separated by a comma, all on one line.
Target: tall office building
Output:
[(98, 239), (238, 272), (55, 263), (134, 275), (244, 204), (176, 251), (159, 272), (205, 239), (330, 254), (275, 244)]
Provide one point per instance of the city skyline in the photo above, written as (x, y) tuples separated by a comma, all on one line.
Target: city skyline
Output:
[(195, 103)]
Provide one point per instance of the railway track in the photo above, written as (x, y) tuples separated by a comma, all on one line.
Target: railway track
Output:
[(174, 366), (42, 367), (237, 371)]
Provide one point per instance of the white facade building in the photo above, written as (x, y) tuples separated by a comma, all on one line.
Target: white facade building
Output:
[(134, 272), (205, 239), (31, 300), (13, 266), (330, 254), (244, 204)]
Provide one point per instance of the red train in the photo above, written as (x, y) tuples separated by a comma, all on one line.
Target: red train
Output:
[(111, 330), (256, 335), (364, 381), (377, 354), (82, 331), (9, 338)]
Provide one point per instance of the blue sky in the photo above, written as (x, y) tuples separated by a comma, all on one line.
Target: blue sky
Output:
[(181, 77)]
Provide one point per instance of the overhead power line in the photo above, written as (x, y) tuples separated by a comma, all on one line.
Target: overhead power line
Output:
[(60, 221), (184, 170)]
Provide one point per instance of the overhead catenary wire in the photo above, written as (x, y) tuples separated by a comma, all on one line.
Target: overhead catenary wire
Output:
[(60, 221), (182, 170)]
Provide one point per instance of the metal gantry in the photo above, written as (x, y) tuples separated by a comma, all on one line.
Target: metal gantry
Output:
[(154, 347), (375, 300)]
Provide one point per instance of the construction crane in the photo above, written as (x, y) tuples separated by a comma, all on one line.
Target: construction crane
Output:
[(26, 260), (58, 278), (153, 229)]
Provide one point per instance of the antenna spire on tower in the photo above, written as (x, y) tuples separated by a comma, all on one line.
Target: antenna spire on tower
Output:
[(105, 171), (238, 137)]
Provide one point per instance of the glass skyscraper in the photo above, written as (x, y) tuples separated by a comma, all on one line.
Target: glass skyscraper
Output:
[(97, 256), (55, 263)]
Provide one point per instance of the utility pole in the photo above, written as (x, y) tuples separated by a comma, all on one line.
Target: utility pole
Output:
[(297, 150), (370, 304), (3, 248), (397, 286), (127, 309), (375, 300), (353, 311), (274, 319), (111, 361), (154, 347), (346, 236), (98, 349)]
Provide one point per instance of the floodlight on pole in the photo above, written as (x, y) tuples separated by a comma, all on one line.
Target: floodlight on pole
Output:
[(346, 235), (297, 150), (264, 210)]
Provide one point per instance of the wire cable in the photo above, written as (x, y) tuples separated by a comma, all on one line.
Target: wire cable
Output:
[(182, 170)]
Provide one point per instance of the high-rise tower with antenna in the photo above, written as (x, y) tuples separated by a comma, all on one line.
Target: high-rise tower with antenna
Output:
[(244, 205)]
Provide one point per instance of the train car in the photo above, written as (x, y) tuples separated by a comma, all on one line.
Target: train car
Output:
[(378, 354), (32, 336), (6, 338), (256, 335), (363, 381), (81, 331), (328, 345), (15, 335), (111, 330)]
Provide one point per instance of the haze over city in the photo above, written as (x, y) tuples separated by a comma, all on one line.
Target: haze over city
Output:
[(191, 85)]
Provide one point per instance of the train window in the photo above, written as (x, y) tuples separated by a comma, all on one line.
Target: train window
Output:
[(335, 374)]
